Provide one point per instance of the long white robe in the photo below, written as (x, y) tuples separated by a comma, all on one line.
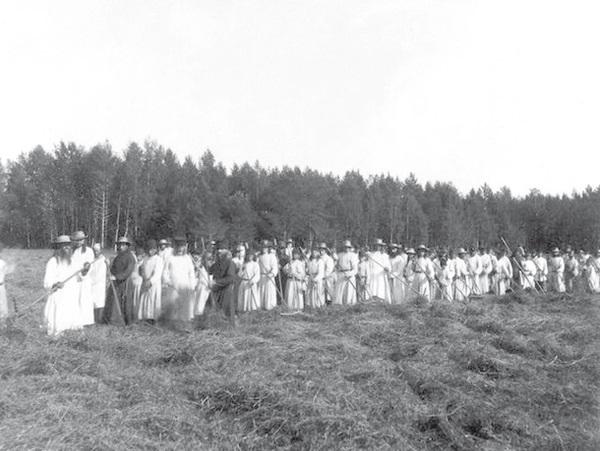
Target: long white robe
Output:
[(445, 277), (134, 288), (179, 277), (556, 278), (502, 276), (62, 311), (346, 268), (593, 274), (528, 274), (3, 297), (86, 296), (399, 288), (461, 272), (486, 269), (97, 275), (379, 284), (248, 296), (315, 293), (295, 284), (474, 269), (541, 266), (202, 292), (267, 290), (423, 272), (150, 301)]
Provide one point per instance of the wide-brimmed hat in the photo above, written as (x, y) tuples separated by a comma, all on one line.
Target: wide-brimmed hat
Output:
[(461, 251), (180, 239), (410, 250), (62, 239), (393, 246), (556, 250), (163, 241), (265, 243), (347, 243), (422, 247), (151, 244), (79, 235), (124, 240), (289, 240), (322, 246), (379, 242), (97, 247)]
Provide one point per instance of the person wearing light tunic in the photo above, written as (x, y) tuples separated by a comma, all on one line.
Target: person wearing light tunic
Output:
[(62, 311), (486, 269), (315, 293), (98, 278), (248, 298), (528, 273), (423, 273), (82, 254), (202, 262), (503, 274), (556, 269), (347, 268), (541, 266), (328, 279), (398, 263), (296, 281), (4, 270), (379, 268), (150, 271), (461, 272), (474, 269), (445, 277), (593, 272), (269, 268), (179, 280), (134, 283)]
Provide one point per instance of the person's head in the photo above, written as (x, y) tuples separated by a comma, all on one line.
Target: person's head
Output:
[(379, 245), (97, 249), (140, 252), (265, 247), (421, 251), (123, 244), (347, 246), (461, 253), (296, 254), (314, 253), (472, 251), (63, 246), (289, 243), (162, 244), (443, 262), (78, 238), (323, 249), (151, 247), (410, 252), (180, 245)]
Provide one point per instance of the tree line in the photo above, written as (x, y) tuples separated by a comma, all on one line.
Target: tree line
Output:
[(146, 191)]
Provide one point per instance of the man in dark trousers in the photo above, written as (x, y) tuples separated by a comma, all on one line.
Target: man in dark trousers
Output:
[(117, 309), (224, 276)]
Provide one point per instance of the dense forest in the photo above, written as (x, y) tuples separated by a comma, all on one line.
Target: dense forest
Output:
[(146, 191)]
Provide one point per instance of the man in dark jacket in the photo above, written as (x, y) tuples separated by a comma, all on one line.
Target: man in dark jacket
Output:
[(117, 310), (224, 276)]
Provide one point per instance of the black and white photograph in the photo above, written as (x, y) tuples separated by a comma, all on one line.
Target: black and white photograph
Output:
[(300, 225)]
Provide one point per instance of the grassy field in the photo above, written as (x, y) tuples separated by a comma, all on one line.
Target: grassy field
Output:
[(509, 373)]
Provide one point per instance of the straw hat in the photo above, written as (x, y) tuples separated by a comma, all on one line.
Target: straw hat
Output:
[(461, 251), (379, 242), (79, 235), (124, 240), (62, 239), (410, 250), (322, 246), (347, 243)]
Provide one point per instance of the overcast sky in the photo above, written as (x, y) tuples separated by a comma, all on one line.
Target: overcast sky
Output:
[(468, 91)]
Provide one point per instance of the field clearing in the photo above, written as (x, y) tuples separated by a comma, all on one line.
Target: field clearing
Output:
[(511, 373)]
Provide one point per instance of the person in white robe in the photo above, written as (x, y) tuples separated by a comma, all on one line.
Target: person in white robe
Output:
[(347, 269), (398, 284), (150, 271), (541, 270), (269, 268), (445, 278), (474, 269), (503, 274), (82, 254), (461, 273), (362, 277), (556, 269), (248, 296), (134, 283), (528, 272), (571, 271), (97, 275), (5, 269), (296, 282), (486, 269), (379, 269), (179, 281), (423, 273), (62, 311), (165, 250), (593, 272), (328, 279), (202, 293), (315, 293)]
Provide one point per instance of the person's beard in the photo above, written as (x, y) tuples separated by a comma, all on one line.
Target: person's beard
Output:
[(65, 254)]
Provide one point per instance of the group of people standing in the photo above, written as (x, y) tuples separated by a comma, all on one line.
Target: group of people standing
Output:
[(167, 279)]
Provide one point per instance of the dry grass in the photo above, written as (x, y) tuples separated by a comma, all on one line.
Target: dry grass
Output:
[(509, 373)]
